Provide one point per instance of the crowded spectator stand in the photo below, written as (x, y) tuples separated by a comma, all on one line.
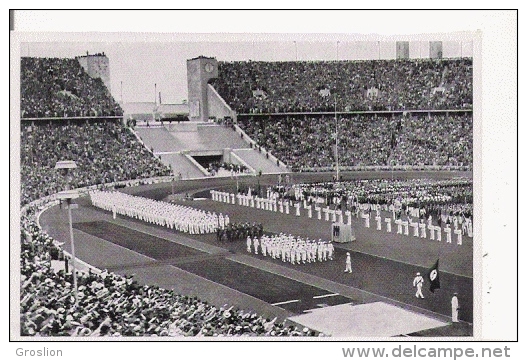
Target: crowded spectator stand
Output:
[(111, 305), (400, 113), (420, 140), (364, 85), (115, 306), (68, 115), (59, 87), (105, 150)]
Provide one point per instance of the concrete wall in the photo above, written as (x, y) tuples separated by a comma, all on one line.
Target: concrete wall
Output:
[(402, 49), (97, 66), (217, 106), (436, 50)]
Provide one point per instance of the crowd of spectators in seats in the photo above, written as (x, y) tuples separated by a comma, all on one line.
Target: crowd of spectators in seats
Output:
[(113, 306), (58, 87), (104, 151), (319, 86), (307, 142), (436, 140)]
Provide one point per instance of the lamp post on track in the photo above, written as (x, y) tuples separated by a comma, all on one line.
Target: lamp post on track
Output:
[(68, 196)]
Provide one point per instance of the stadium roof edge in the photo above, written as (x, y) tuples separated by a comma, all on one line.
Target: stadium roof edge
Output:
[(201, 57)]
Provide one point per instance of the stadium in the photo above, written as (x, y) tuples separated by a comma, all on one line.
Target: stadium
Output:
[(287, 198)]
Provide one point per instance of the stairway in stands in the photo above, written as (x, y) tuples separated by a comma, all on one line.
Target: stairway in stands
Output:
[(181, 165), (171, 141), (258, 161), (157, 138)]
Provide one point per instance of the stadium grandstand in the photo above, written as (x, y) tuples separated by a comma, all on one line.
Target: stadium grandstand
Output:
[(372, 85), (106, 152), (383, 112), (270, 137)]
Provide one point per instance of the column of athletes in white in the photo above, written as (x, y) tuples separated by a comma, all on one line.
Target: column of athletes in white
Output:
[(407, 227)]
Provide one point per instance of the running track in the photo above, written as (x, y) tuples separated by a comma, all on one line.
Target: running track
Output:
[(373, 274)]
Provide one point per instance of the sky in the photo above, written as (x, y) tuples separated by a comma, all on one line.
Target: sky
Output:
[(146, 66)]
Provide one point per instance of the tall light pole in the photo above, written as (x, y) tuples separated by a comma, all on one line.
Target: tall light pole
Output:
[(296, 51), (237, 182), (68, 196), (259, 176)]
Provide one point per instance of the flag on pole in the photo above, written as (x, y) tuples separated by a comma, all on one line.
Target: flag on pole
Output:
[(433, 277)]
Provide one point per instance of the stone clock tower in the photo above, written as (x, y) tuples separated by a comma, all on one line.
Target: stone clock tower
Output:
[(199, 71)]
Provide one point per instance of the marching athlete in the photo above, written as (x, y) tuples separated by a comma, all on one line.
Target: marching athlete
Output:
[(418, 283)]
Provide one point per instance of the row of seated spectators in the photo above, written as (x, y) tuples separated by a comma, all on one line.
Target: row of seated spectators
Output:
[(104, 151), (111, 305), (308, 142), (315, 86), (59, 87)]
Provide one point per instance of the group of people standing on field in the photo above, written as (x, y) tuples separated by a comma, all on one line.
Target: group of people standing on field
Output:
[(288, 248), (239, 231), (173, 216)]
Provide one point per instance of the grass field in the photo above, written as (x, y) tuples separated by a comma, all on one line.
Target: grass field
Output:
[(383, 264)]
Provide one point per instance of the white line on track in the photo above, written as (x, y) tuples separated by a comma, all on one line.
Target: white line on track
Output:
[(328, 295), (285, 302)]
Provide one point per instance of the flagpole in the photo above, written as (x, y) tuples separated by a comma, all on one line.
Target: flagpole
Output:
[(155, 103), (336, 139), (296, 51)]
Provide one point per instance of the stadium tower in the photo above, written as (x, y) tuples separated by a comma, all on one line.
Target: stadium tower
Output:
[(97, 66), (199, 71)]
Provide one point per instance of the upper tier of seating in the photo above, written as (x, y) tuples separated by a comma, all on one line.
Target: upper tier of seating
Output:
[(58, 87), (319, 86)]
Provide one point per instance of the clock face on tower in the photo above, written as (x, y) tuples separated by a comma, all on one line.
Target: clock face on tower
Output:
[(209, 67)]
